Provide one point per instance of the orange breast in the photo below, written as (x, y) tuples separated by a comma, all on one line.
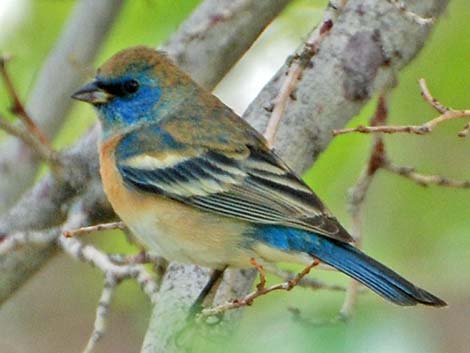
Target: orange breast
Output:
[(126, 204)]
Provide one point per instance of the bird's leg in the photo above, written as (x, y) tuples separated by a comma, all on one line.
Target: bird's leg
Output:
[(213, 280), (262, 274), (260, 290)]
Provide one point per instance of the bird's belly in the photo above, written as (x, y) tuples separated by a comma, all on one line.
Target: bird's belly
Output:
[(148, 233), (184, 234)]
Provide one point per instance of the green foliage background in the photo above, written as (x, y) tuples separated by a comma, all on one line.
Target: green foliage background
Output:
[(421, 232)]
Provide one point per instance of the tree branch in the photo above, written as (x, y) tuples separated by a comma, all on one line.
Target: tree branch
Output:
[(363, 54), (232, 25), (58, 78), (17, 107), (296, 67), (102, 310), (378, 159), (446, 114), (358, 195), (91, 229), (32, 141), (425, 180), (113, 273)]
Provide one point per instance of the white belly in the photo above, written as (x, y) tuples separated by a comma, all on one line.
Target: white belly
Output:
[(160, 242), (189, 236)]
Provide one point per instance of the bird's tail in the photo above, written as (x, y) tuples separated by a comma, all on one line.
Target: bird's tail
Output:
[(369, 272)]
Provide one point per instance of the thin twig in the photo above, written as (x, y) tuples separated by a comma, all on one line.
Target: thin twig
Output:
[(446, 114), (16, 240), (305, 282), (89, 254), (46, 154), (308, 322), (100, 260), (114, 273), (426, 180), (428, 97), (142, 257), (30, 134), (465, 131), (379, 160), (294, 73), (95, 228), (357, 197), (260, 290), (387, 129), (358, 194), (18, 108), (102, 311)]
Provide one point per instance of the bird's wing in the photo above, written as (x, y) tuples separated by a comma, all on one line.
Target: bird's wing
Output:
[(243, 179)]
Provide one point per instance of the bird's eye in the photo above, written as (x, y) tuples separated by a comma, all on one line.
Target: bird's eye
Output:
[(119, 88), (131, 86)]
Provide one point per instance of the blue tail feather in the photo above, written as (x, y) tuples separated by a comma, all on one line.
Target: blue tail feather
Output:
[(351, 261)]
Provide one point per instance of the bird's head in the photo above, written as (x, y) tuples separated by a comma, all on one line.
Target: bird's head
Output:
[(137, 85)]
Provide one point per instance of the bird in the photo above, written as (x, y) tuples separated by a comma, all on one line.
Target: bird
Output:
[(197, 184)]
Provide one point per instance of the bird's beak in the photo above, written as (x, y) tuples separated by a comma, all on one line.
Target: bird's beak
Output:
[(92, 93)]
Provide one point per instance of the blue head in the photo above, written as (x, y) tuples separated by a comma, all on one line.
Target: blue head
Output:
[(135, 86)]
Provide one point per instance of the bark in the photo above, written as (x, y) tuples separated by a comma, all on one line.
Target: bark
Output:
[(217, 34)]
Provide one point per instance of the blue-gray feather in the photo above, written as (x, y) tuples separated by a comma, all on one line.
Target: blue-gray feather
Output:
[(349, 260)]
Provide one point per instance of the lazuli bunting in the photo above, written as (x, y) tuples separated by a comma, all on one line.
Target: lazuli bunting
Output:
[(195, 183)]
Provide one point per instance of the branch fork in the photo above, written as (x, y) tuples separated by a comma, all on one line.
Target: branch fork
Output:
[(446, 114)]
